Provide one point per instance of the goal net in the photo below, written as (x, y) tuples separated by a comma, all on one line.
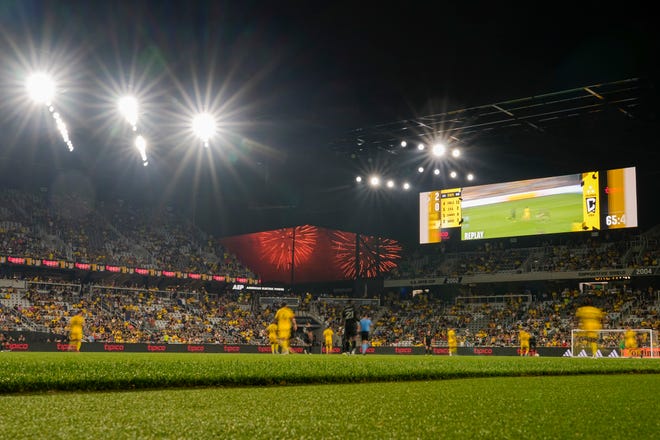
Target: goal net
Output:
[(618, 342)]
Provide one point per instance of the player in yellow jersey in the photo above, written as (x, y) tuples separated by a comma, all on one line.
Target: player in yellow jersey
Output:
[(630, 340), (590, 318), (451, 341), (524, 342), (286, 320), (271, 330), (327, 339), (76, 331)]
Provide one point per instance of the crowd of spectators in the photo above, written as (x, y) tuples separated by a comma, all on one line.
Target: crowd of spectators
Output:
[(146, 315), (71, 227), (621, 250), (112, 232)]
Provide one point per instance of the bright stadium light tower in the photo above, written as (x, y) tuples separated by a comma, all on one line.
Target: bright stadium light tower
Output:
[(128, 107), (438, 149), (204, 127), (41, 89)]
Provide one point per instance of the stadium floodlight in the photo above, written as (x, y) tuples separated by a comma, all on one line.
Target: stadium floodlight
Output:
[(358, 179), (455, 152), (141, 145), (438, 149), (452, 174), (128, 107), (420, 147), (406, 186), (420, 169), (204, 127), (436, 172), (41, 88), (374, 180), (404, 144), (470, 177), (390, 183)]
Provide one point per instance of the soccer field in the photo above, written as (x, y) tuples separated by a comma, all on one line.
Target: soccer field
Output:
[(262, 396), (547, 215)]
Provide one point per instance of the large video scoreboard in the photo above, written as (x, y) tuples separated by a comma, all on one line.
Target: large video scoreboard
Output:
[(589, 201)]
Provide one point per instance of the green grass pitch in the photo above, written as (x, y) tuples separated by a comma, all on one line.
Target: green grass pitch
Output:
[(548, 215), (111, 395)]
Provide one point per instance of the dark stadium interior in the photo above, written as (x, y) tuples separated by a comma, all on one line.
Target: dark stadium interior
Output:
[(299, 83), (448, 206)]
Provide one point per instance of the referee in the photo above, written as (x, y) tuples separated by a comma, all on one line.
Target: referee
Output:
[(365, 328)]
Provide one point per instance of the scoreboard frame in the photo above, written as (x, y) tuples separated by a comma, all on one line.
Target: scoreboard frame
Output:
[(587, 201)]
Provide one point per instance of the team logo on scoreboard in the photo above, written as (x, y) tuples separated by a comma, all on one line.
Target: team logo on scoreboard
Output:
[(591, 204)]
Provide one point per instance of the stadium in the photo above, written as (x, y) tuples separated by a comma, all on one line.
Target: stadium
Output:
[(223, 220)]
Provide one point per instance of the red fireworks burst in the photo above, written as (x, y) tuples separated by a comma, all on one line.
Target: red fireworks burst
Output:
[(376, 255), (278, 246)]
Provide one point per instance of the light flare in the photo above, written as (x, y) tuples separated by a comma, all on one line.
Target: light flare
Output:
[(41, 89), (204, 127), (141, 145), (128, 107)]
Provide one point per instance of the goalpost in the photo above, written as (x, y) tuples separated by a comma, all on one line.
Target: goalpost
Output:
[(613, 340)]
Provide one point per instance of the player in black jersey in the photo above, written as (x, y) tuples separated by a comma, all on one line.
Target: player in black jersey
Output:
[(428, 342), (350, 328)]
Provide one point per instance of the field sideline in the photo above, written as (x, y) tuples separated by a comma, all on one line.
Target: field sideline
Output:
[(59, 395)]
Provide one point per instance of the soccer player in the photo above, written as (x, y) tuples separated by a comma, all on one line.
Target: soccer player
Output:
[(590, 321), (327, 339), (451, 341), (286, 319), (309, 339), (76, 331), (428, 342), (272, 337), (524, 342), (532, 344), (350, 328), (365, 328), (630, 339)]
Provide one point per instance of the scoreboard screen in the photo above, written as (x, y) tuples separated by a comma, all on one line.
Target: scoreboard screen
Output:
[(588, 201)]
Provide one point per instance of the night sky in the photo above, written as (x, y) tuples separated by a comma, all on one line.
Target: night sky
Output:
[(286, 79)]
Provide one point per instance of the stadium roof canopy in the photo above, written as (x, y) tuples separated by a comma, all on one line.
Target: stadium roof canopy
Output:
[(627, 98)]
